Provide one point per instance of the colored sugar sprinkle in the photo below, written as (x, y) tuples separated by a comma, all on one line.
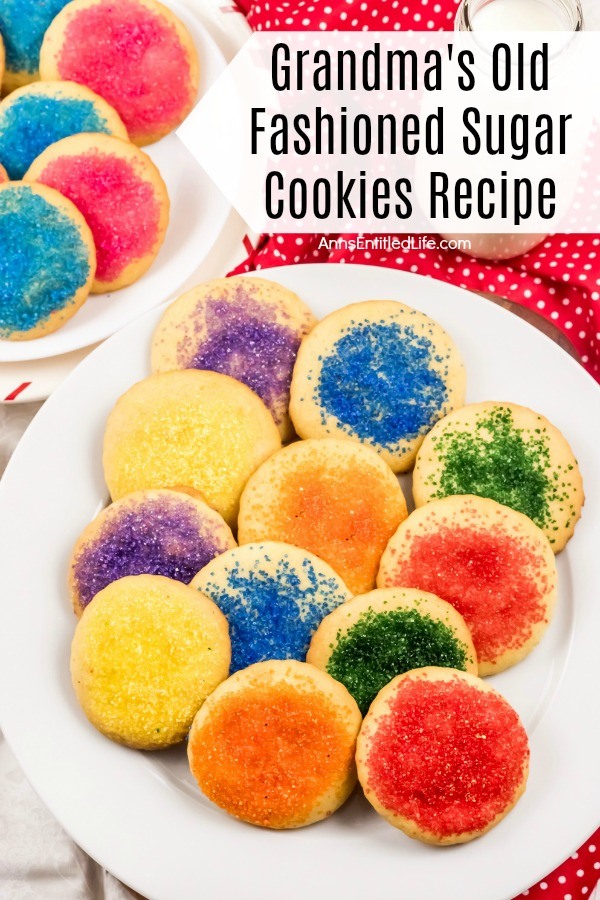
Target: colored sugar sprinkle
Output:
[(23, 24), (133, 58), (495, 460), (120, 207), (447, 756), (268, 754), (152, 537), (489, 576), (43, 263), (273, 614), (32, 123), (344, 514), (382, 645), (244, 341), (379, 383)]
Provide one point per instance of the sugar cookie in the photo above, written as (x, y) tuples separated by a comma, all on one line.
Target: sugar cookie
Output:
[(274, 596), (122, 196), (336, 499), (274, 745), (135, 53), (379, 373), (146, 653), (442, 755), (248, 328), (38, 115), (146, 533), (493, 564), (374, 637), (23, 24), (510, 454), (191, 429), (47, 260)]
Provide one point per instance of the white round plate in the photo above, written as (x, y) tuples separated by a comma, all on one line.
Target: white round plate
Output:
[(198, 214), (141, 815)]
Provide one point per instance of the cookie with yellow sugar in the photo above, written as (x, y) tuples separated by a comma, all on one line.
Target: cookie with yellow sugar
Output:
[(510, 454), (146, 654), (249, 328), (274, 745), (336, 499), (189, 429), (378, 373)]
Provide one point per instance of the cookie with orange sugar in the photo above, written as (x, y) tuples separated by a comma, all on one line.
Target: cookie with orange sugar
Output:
[(336, 499), (274, 745), (442, 756)]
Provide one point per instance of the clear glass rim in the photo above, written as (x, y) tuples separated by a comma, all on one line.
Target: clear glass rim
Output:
[(468, 9)]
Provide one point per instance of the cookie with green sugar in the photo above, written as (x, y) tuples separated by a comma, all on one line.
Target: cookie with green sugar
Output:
[(372, 638), (509, 454)]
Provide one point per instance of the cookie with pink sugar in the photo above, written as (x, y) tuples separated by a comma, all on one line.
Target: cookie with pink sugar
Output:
[(120, 193), (135, 53), (3, 175)]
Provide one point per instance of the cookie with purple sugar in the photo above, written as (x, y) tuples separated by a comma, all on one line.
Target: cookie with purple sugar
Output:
[(248, 328), (154, 532)]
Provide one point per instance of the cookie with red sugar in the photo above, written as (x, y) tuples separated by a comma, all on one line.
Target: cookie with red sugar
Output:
[(121, 195), (491, 563), (274, 745), (442, 756), (3, 175), (135, 53)]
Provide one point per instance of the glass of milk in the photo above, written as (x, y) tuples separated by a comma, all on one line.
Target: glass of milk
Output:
[(519, 15), (513, 15)]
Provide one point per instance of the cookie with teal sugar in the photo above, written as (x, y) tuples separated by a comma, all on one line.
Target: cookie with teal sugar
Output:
[(154, 532), (248, 328), (23, 24), (47, 262), (274, 596), (379, 373), (38, 115), (510, 454), (377, 636)]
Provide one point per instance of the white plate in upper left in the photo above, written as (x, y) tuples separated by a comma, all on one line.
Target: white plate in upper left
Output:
[(198, 215)]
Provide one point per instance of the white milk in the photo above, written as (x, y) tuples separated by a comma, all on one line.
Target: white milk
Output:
[(519, 15)]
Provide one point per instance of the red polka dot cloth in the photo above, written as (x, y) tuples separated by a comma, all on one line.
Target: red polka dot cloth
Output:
[(560, 278)]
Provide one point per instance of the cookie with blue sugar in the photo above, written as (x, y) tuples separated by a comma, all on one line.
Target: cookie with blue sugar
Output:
[(379, 373)]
